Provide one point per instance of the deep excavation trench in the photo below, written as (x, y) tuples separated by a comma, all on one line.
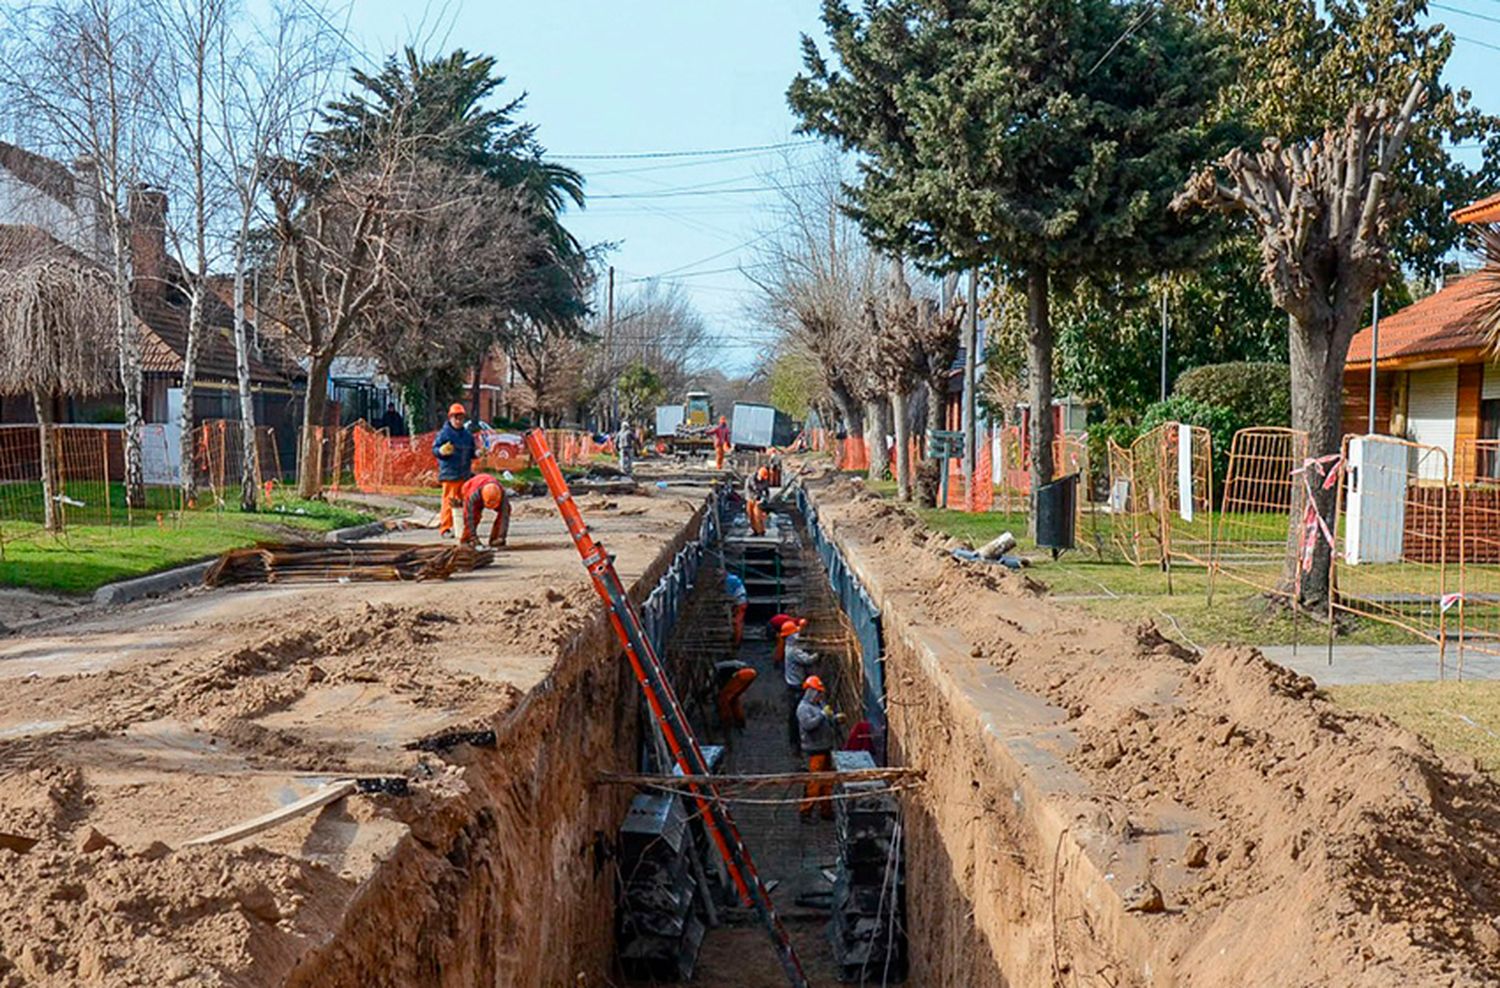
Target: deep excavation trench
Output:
[(543, 874)]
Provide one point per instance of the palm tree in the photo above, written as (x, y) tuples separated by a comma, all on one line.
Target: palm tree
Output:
[(56, 319)]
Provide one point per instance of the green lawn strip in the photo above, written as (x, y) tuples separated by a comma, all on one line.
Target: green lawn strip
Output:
[(85, 557), (1460, 718), (1109, 586)]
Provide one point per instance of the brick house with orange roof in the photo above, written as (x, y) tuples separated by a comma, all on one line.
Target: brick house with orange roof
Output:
[(1437, 382)]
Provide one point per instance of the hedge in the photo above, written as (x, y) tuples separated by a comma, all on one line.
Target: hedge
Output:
[(1254, 393)]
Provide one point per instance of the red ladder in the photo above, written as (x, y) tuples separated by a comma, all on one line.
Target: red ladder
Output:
[(662, 700)]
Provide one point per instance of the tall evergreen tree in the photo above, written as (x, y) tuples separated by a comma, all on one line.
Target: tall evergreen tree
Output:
[(1042, 139)]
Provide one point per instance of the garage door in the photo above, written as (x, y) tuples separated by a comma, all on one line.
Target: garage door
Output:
[(1431, 409)]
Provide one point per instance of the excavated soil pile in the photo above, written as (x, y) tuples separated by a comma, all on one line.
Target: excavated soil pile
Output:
[(1337, 848), (144, 728)]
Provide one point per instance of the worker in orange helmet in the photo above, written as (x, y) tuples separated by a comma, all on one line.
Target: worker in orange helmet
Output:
[(786, 633), (817, 727), (484, 491), (757, 489), (720, 436), (454, 448), (734, 679)]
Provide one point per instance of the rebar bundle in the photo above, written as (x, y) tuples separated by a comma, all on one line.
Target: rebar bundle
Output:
[(318, 562)]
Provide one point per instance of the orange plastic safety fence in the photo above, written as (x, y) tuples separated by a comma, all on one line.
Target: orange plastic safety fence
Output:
[(1478, 476)]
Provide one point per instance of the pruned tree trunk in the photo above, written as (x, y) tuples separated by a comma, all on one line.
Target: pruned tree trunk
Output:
[(249, 494), (186, 420), (903, 449), (875, 417), (1039, 371), (1317, 353), (314, 409), (937, 393), (51, 516), (849, 412)]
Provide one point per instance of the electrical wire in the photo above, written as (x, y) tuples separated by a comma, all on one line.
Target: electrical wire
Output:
[(693, 153)]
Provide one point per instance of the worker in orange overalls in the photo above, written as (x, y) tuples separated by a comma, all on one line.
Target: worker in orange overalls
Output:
[(484, 491), (720, 436), (454, 448), (817, 726), (757, 489), (734, 678), (735, 587)]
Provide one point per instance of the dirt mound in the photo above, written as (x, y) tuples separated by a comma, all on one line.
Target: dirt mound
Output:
[(1341, 850)]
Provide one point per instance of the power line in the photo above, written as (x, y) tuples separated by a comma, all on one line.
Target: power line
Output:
[(690, 192), (1482, 44), (1467, 13), (696, 153), (707, 162)]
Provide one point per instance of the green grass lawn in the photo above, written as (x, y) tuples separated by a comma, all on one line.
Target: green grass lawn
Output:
[(1096, 578), (1455, 717), (85, 557)]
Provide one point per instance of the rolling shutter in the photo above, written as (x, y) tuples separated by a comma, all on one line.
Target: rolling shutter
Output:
[(1432, 407)]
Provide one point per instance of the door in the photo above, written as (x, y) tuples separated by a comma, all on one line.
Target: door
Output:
[(1431, 411)]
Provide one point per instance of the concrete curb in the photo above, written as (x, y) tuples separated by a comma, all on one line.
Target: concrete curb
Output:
[(125, 591), (155, 584), (355, 533)]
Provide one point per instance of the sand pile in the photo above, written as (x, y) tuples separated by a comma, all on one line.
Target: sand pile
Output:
[(1342, 849)]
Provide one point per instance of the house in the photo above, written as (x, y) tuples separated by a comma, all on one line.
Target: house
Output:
[(1437, 382), (44, 202)]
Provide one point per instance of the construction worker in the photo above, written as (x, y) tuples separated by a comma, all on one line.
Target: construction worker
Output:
[(625, 446), (479, 492), (817, 730), (734, 679), (799, 664), (454, 448), (740, 598), (720, 436), (757, 489), (786, 634)]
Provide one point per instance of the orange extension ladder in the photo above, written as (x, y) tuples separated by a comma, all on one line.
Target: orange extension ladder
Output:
[(662, 700)]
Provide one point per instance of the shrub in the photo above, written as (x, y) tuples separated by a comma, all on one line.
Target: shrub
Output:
[(1254, 393), (1221, 423)]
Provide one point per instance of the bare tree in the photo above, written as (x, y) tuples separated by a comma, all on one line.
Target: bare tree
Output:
[(332, 228), (817, 275), (191, 31), (53, 307), (83, 72), (1323, 211)]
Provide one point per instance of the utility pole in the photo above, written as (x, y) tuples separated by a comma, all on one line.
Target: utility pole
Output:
[(609, 351), (971, 362), (1164, 344), (1374, 353)]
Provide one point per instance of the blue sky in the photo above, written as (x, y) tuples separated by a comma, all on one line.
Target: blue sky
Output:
[(634, 77)]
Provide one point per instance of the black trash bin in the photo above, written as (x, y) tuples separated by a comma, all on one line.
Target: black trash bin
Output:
[(1056, 513)]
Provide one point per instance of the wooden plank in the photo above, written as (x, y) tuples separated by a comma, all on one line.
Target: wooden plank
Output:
[(330, 793)]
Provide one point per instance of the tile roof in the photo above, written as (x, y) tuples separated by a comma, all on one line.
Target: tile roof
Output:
[(1447, 321), (162, 312), (38, 171), (1486, 210)]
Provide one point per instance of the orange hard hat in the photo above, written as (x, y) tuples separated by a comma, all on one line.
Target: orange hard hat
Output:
[(763, 473), (789, 628), (457, 408), (492, 495), (813, 683)]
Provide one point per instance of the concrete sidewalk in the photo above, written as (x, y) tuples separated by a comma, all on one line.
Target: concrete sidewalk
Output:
[(1375, 664)]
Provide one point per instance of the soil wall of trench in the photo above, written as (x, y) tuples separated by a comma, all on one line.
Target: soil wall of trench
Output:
[(510, 882), (996, 892)]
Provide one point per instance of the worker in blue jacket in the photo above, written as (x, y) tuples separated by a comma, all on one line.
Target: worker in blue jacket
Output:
[(454, 448)]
